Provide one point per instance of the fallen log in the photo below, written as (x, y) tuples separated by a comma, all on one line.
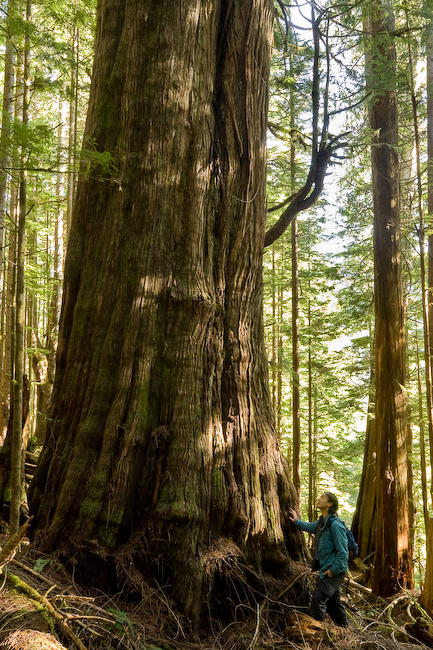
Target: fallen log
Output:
[(356, 585)]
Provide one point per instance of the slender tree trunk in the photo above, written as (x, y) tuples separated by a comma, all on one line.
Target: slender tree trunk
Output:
[(296, 418), (364, 518), (426, 599), (5, 154), (423, 457), (8, 107), (424, 287), (315, 437), (427, 593), (56, 296), (7, 375), (280, 345), (9, 351), (9, 335), (43, 363), (311, 457), (393, 564), (274, 333), (421, 239), (296, 401), (73, 130), (19, 371), (2, 331), (162, 420), (17, 453), (429, 65)]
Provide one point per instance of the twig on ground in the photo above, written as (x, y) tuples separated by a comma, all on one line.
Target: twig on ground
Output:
[(257, 630), (362, 588), (160, 593), (300, 629), (300, 575), (26, 568)]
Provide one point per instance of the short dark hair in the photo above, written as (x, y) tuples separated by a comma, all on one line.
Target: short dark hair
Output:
[(331, 497)]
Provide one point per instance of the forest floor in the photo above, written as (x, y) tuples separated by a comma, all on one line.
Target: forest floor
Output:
[(42, 606)]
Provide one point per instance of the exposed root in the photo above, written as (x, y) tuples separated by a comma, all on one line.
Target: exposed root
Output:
[(247, 610)]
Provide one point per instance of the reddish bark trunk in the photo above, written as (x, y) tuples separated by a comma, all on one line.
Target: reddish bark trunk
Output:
[(393, 568), (364, 518), (427, 594), (162, 426)]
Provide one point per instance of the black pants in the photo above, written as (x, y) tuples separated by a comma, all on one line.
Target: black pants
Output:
[(326, 599)]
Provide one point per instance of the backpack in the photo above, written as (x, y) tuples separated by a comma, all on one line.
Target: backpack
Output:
[(351, 541)]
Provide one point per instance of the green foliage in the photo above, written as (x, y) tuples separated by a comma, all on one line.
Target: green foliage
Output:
[(93, 161), (334, 352), (123, 622), (40, 564), (337, 287)]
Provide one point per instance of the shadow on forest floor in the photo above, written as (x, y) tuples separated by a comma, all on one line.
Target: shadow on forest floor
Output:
[(42, 606)]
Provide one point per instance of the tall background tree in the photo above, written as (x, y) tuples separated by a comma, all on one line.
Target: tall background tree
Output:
[(35, 149), (392, 560)]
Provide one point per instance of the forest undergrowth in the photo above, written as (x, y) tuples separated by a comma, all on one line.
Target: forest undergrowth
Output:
[(43, 607)]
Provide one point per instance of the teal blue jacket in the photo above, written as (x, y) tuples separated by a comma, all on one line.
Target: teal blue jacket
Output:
[(333, 549)]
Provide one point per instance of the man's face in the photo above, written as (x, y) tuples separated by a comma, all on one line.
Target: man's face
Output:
[(322, 502)]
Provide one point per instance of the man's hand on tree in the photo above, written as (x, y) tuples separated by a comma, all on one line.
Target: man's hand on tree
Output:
[(292, 515)]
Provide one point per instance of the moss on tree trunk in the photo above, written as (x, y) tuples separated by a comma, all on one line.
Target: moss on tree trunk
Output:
[(161, 422)]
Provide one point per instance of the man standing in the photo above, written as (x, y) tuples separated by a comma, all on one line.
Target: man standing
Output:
[(331, 556)]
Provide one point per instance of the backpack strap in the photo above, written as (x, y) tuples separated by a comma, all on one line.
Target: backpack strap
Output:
[(332, 518)]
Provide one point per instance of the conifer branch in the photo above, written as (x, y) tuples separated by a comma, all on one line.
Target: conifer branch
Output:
[(321, 152)]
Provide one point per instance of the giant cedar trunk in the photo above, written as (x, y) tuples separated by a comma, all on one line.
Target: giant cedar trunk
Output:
[(393, 562), (161, 418)]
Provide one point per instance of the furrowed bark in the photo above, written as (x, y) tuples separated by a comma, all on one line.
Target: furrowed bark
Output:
[(162, 425), (393, 568)]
